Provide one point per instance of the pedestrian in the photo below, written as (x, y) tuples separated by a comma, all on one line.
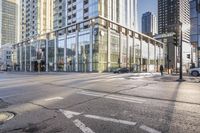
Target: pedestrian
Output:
[(161, 70)]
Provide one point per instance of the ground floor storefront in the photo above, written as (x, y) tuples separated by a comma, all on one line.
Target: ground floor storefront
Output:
[(98, 47)]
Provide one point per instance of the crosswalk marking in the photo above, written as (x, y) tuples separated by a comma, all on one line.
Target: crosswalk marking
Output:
[(112, 96)]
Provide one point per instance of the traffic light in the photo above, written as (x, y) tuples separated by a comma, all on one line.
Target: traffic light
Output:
[(176, 39)]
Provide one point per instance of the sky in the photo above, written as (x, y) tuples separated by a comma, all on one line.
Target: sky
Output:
[(144, 6)]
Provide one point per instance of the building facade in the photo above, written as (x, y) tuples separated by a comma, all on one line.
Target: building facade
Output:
[(93, 36), (36, 17), (171, 14), (8, 22), (149, 24), (195, 30), (5, 57)]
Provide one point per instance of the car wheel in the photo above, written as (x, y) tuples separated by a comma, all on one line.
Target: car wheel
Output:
[(195, 73)]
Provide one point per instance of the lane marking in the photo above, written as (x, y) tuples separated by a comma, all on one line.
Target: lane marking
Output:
[(69, 114), (54, 98), (82, 126), (148, 129), (111, 120), (111, 96), (85, 129)]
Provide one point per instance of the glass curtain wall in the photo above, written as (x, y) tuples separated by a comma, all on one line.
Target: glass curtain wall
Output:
[(144, 56), (83, 53), (151, 57), (51, 55), (137, 55), (100, 51), (34, 46), (114, 50), (23, 57), (60, 55), (124, 51), (28, 57), (71, 54)]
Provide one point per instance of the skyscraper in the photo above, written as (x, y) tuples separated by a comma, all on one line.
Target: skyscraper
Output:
[(8, 22), (149, 24), (36, 17), (67, 12), (91, 36), (195, 29), (170, 14)]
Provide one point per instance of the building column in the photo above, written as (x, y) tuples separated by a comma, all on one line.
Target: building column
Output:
[(30, 57), (25, 58), (47, 53), (159, 55), (20, 56), (55, 52), (77, 41), (148, 60), (109, 59), (91, 47), (141, 55), (134, 60), (65, 52), (155, 60), (127, 52), (120, 49)]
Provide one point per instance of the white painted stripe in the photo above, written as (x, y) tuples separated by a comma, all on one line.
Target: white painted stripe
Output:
[(148, 129), (111, 120), (82, 126), (124, 100), (69, 114), (114, 97), (128, 98), (54, 98)]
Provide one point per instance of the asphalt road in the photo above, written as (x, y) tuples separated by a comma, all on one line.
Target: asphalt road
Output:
[(99, 103)]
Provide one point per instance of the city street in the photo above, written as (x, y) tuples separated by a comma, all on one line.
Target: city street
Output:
[(99, 103)]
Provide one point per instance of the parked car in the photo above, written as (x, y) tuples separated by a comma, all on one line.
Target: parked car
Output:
[(194, 72), (121, 70)]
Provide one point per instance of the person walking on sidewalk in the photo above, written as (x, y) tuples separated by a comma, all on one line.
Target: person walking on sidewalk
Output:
[(161, 70)]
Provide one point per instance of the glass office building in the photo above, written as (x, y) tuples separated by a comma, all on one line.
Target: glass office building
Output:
[(98, 36), (195, 30)]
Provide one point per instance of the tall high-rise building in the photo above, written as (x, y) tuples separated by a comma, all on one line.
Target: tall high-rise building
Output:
[(8, 21), (36, 17), (67, 12), (90, 36), (171, 13), (149, 24), (195, 30)]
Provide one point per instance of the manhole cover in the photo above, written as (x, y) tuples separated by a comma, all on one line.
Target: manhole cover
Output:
[(5, 116)]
